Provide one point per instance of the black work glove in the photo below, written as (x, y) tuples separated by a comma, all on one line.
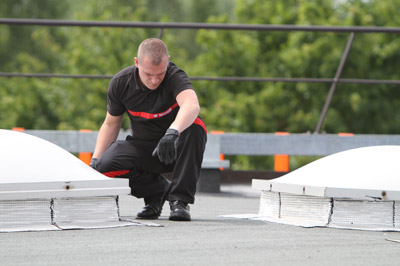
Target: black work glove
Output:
[(93, 163), (166, 147)]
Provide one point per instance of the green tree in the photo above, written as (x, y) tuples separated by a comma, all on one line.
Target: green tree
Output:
[(29, 49), (230, 106), (295, 107)]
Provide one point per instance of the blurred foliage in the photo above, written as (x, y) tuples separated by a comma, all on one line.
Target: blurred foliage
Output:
[(58, 103)]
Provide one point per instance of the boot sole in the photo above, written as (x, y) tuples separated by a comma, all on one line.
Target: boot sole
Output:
[(179, 217), (148, 218)]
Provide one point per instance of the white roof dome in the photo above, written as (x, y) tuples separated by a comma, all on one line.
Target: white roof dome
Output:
[(35, 168), (354, 189)]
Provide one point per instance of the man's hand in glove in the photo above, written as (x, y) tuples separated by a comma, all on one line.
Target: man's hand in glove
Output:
[(166, 147), (93, 163)]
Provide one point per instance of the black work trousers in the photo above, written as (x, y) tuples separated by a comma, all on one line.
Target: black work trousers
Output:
[(132, 158)]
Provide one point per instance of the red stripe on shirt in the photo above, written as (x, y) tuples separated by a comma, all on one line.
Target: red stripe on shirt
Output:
[(116, 173), (200, 122), (152, 116)]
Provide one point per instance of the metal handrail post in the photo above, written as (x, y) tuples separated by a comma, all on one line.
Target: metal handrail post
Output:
[(160, 33), (334, 83)]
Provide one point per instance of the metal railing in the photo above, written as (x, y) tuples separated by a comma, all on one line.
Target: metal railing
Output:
[(352, 30), (265, 144)]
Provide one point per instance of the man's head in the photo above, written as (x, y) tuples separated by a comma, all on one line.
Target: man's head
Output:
[(152, 61)]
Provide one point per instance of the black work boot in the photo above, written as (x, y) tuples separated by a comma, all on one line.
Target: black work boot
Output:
[(153, 205), (180, 211)]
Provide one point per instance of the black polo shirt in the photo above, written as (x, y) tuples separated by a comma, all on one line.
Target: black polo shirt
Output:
[(151, 112)]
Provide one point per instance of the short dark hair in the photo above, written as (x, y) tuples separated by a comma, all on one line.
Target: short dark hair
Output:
[(154, 49)]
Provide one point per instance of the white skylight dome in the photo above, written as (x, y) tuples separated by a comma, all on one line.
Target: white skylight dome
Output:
[(357, 189), (43, 187)]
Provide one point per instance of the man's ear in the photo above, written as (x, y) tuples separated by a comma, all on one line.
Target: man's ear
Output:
[(136, 62)]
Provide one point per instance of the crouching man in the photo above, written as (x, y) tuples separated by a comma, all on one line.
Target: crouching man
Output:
[(168, 136)]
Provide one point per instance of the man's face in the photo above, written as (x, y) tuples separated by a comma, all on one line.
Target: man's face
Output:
[(150, 75)]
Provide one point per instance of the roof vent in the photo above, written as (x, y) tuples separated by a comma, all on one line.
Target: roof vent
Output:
[(43, 187), (354, 189)]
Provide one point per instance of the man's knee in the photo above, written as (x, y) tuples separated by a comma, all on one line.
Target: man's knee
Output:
[(194, 133)]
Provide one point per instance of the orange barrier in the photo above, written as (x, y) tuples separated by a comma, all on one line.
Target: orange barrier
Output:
[(281, 161), (343, 134), (85, 157), (221, 155), (20, 129)]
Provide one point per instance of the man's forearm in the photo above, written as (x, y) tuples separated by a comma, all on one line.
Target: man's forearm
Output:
[(185, 117), (189, 109), (107, 135)]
